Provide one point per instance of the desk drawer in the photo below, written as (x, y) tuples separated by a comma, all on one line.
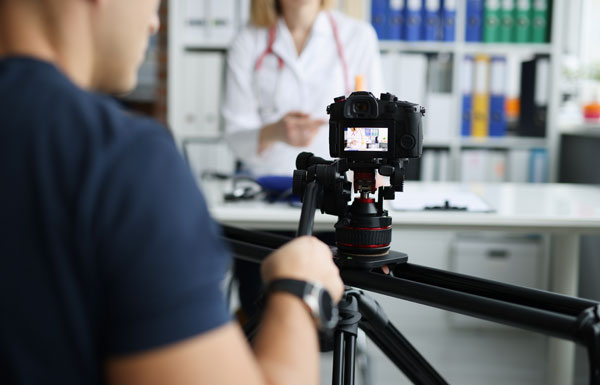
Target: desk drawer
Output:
[(515, 261)]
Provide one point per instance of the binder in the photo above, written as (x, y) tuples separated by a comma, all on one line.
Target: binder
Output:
[(539, 21), (431, 20), (448, 20), (412, 78), (513, 92), (395, 19), (507, 21), (378, 18), (409, 83), (491, 21), (481, 97), (538, 165), (474, 26), (428, 166), (473, 165), (413, 20), (523, 21), (497, 96), (443, 166), (467, 95), (535, 76), (496, 165), (518, 166)]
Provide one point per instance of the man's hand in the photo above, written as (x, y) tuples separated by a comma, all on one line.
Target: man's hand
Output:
[(286, 349), (295, 128), (307, 259)]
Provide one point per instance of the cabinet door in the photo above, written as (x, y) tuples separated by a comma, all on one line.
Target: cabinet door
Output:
[(198, 112), (514, 261)]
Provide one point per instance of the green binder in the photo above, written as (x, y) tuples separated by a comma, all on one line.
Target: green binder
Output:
[(491, 21), (507, 21), (539, 21), (523, 21)]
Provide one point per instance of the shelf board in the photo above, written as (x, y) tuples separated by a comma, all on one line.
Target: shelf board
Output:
[(427, 142), (585, 128), (416, 46), (513, 142), (508, 48), (450, 47)]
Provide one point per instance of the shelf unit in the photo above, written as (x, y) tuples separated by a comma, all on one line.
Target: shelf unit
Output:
[(458, 49)]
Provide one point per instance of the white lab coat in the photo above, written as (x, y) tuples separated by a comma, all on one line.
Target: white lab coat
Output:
[(308, 83)]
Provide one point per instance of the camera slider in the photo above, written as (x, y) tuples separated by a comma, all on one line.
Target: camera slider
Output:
[(350, 261), (552, 314)]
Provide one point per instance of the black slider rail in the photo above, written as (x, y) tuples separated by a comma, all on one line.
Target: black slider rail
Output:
[(557, 315)]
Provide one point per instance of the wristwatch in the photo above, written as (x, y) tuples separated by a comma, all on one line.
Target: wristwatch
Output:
[(314, 295)]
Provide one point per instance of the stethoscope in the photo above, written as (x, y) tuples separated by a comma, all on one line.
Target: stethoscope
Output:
[(271, 108)]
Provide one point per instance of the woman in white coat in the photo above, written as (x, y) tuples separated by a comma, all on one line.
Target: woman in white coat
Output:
[(282, 72)]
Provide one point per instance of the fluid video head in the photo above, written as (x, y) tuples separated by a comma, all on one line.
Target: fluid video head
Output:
[(370, 136)]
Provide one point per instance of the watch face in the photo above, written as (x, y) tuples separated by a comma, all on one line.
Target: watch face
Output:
[(327, 310)]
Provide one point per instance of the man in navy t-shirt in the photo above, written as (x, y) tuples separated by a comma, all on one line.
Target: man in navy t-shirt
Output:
[(110, 266)]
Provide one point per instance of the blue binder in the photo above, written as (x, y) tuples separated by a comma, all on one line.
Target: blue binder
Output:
[(379, 18), (413, 20), (467, 95), (474, 31), (497, 96), (395, 27), (431, 20), (448, 20), (538, 165)]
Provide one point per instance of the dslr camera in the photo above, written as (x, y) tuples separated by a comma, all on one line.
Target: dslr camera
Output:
[(362, 127)]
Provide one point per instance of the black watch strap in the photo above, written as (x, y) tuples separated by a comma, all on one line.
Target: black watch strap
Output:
[(293, 286), (315, 296)]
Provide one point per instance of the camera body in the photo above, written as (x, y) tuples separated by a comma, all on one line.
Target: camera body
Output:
[(362, 127)]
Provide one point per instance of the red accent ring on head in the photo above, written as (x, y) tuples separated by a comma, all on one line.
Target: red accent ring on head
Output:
[(366, 200), (363, 246)]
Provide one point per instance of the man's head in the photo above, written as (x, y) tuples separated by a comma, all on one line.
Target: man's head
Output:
[(100, 44), (121, 29)]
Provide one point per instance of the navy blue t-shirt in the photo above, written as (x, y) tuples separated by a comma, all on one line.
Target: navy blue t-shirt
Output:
[(106, 244)]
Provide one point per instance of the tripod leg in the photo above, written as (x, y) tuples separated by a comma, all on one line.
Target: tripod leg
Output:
[(349, 350), (403, 354), (338, 355), (391, 342)]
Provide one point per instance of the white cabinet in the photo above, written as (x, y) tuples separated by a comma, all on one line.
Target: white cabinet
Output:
[(515, 261), (197, 112)]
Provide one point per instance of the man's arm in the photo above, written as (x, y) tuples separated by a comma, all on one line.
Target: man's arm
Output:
[(286, 347)]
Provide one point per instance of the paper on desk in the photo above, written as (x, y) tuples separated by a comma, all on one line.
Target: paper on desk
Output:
[(418, 201)]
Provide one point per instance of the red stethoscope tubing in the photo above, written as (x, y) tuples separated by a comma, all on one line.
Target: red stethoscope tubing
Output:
[(281, 64)]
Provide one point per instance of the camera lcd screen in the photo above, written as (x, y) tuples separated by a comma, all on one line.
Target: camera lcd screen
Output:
[(365, 139)]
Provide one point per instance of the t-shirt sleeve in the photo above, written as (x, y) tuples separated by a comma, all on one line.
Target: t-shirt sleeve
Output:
[(162, 258)]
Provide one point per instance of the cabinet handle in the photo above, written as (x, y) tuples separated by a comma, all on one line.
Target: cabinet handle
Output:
[(498, 253)]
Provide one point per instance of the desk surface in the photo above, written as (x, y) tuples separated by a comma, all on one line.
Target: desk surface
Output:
[(548, 208)]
